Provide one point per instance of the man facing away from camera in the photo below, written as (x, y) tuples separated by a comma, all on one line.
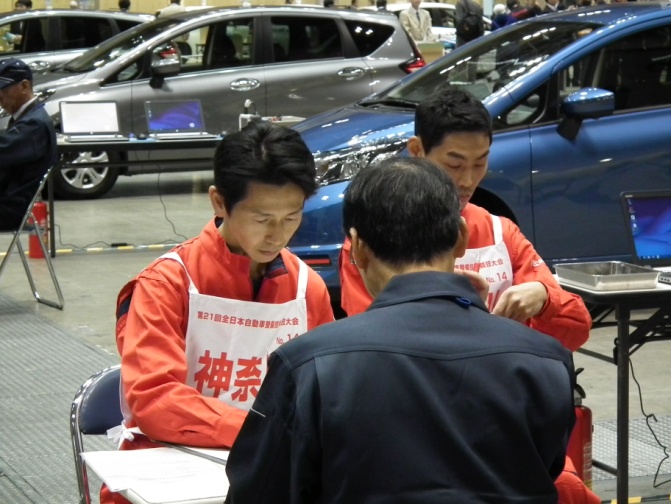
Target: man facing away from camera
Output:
[(426, 397)]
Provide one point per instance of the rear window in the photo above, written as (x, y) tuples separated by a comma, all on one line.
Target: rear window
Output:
[(368, 37)]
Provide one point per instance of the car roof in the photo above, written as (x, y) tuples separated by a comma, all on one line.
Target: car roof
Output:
[(34, 13), (607, 14), (214, 11), (423, 5)]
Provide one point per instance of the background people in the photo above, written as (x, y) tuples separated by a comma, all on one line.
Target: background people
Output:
[(195, 327), (124, 5), (395, 404), (27, 146), (468, 21), (453, 130), (173, 8), (417, 22)]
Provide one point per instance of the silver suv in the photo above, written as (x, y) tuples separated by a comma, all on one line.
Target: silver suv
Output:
[(290, 60), (46, 38)]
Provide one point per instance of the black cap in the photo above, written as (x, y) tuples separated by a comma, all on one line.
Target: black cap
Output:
[(13, 71)]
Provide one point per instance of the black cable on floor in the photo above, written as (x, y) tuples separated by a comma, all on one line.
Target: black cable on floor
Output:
[(647, 422)]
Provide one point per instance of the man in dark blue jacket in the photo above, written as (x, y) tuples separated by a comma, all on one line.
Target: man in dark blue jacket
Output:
[(425, 397), (27, 146)]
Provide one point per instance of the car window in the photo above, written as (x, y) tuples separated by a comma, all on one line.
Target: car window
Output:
[(486, 68), (305, 38), (116, 47), (83, 32), (637, 69), (368, 37), (125, 25), (230, 44), (24, 37)]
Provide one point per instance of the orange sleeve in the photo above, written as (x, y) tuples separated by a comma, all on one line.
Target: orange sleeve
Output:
[(564, 316), (354, 297), (154, 368), (318, 301), (571, 489)]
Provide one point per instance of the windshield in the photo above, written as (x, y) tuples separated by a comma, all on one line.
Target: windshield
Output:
[(486, 68), (118, 46)]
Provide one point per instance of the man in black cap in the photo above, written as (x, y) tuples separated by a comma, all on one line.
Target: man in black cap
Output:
[(27, 146)]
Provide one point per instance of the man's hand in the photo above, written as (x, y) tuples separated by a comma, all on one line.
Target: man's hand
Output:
[(521, 302), (478, 282)]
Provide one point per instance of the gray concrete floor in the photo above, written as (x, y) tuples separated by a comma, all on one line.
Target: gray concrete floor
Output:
[(152, 210)]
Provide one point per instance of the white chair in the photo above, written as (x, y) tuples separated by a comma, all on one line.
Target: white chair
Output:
[(16, 242), (95, 409)]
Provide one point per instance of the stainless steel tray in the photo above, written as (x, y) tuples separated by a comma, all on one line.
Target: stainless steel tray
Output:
[(607, 276)]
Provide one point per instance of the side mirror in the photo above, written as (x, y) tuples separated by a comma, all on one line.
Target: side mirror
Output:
[(586, 103), (161, 69)]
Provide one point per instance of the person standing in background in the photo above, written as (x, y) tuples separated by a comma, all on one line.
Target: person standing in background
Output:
[(417, 22), (468, 21), (173, 8), (124, 5)]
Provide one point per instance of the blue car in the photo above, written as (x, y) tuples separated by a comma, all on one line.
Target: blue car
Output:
[(581, 110)]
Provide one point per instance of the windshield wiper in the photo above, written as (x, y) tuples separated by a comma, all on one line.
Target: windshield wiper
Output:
[(398, 102)]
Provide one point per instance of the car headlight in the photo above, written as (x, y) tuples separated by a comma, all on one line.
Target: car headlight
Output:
[(336, 166)]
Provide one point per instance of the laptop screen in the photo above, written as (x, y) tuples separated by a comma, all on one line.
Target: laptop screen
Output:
[(648, 223), (166, 117), (89, 118)]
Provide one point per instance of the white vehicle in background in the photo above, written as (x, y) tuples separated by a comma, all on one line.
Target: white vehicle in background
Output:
[(442, 20)]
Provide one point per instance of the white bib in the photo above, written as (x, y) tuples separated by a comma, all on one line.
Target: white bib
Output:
[(492, 262)]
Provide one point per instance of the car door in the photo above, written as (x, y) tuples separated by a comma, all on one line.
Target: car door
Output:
[(218, 67), (312, 66), (577, 182)]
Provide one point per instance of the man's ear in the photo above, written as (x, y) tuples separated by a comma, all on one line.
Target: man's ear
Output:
[(359, 253), (217, 201), (415, 147), (462, 239)]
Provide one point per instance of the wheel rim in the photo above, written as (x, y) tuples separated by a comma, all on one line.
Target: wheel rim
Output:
[(87, 178)]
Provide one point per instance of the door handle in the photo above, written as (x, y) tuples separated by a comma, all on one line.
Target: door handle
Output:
[(244, 84), (351, 73)]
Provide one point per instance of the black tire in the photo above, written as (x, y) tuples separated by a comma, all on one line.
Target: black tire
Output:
[(86, 183)]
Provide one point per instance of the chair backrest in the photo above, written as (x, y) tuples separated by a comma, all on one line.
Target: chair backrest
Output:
[(95, 408)]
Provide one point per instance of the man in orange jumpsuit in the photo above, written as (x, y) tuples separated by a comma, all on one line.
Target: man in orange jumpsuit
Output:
[(195, 327), (453, 130)]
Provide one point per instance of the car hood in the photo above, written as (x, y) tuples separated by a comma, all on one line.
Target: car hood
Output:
[(334, 130)]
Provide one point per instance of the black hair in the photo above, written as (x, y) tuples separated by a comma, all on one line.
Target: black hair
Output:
[(26, 3), (265, 153), (124, 4), (381, 4), (447, 111), (405, 209), (329, 3)]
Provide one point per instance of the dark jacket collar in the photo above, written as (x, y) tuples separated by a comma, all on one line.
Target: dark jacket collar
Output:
[(428, 284)]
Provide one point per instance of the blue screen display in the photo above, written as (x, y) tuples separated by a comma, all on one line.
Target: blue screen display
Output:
[(168, 117), (650, 224)]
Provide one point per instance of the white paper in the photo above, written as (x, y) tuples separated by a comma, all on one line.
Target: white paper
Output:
[(160, 475)]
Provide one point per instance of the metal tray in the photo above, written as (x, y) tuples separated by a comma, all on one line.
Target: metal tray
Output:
[(607, 276)]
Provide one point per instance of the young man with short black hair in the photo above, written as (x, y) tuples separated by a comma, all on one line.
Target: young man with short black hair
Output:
[(195, 327), (453, 130)]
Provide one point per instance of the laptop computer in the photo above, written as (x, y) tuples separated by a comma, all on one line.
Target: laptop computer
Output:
[(648, 223), (90, 121), (175, 120)]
